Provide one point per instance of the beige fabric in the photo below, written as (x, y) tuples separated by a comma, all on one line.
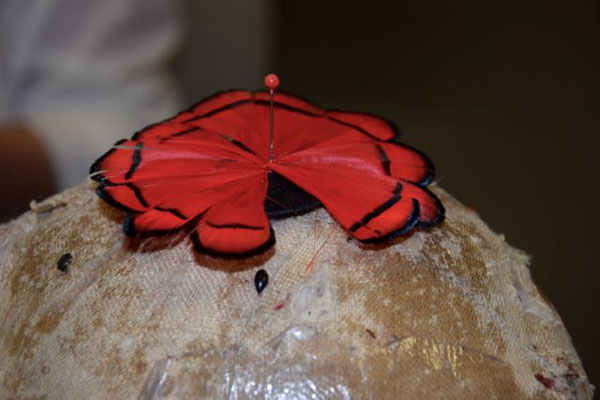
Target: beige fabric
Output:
[(449, 313)]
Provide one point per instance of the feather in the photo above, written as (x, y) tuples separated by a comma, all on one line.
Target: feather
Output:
[(210, 166)]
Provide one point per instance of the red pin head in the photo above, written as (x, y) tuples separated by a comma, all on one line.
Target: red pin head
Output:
[(271, 81)]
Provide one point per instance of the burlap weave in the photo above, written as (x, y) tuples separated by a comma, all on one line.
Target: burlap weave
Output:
[(449, 313)]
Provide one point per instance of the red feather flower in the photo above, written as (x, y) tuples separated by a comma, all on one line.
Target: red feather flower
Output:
[(211, 167)]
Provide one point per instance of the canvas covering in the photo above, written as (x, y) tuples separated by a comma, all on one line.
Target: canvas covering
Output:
[(448, 313)]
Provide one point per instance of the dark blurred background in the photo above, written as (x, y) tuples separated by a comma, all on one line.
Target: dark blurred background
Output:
[(503, 96)]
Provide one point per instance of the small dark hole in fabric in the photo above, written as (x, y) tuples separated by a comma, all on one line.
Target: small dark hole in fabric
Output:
[(63, 262)]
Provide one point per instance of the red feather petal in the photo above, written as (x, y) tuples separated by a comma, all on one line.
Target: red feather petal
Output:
[(220, 100), (371, 209), (154, 222), (290, 101), (178, 124), (237, 226), (367, 123), (126, 197)]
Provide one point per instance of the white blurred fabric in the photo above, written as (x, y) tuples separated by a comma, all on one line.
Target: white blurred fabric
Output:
[(83, 74)]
